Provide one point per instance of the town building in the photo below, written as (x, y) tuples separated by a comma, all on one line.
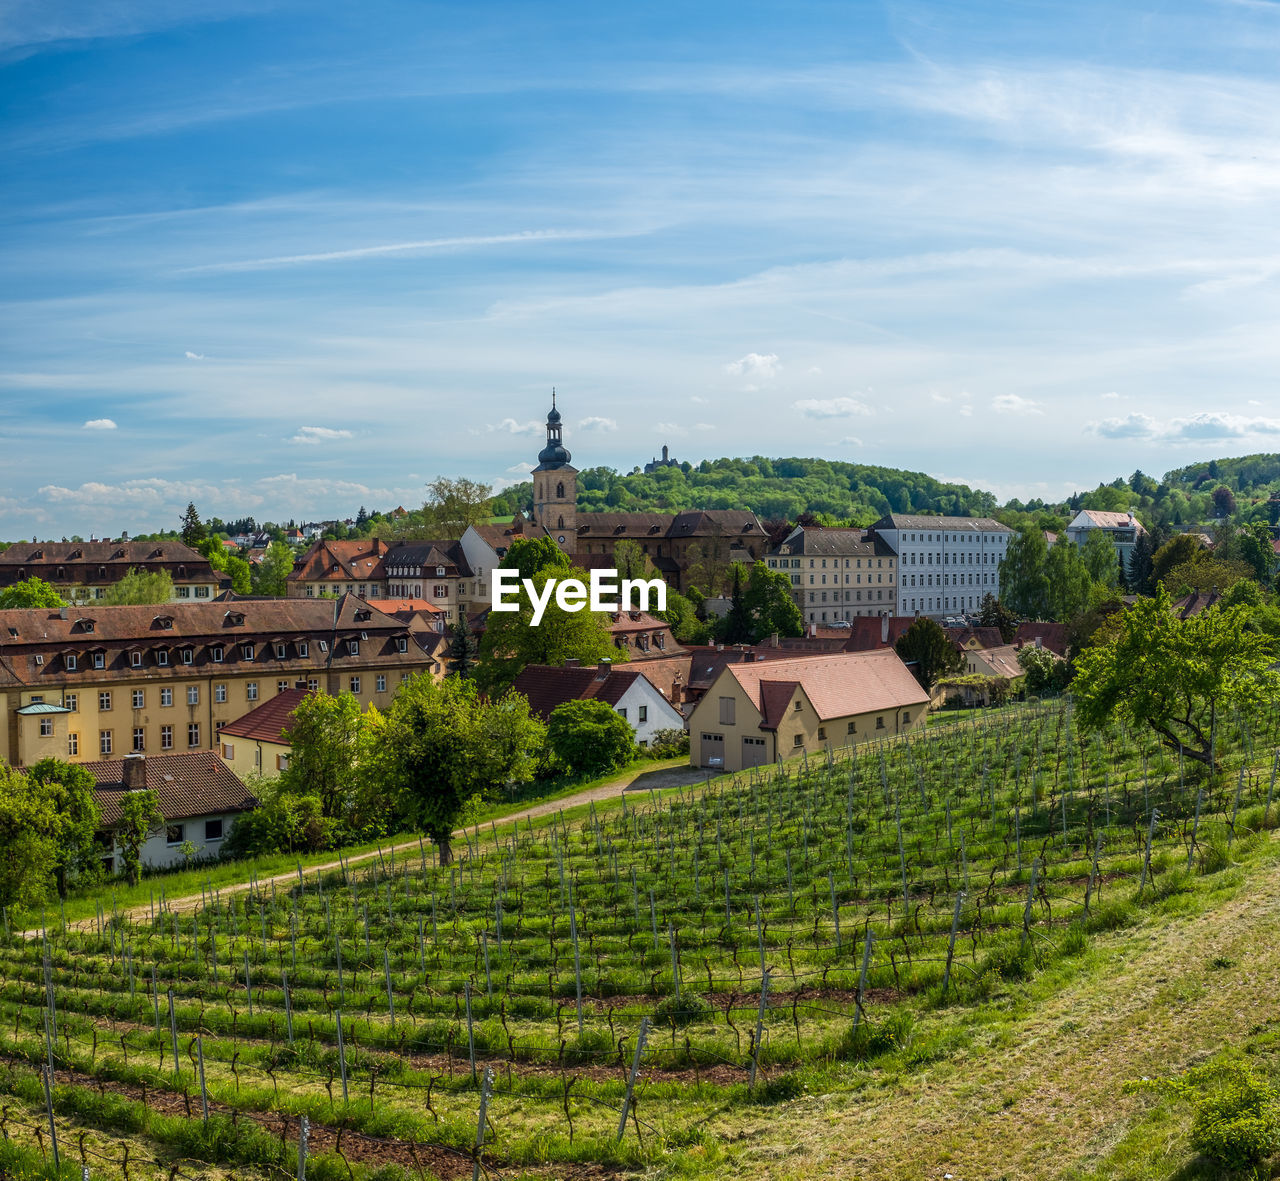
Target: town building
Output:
[(196, 794), (837, 574), (627, 690), (1122, 529), (946, 565), (257, 743), (159, 680), (83, 571), (758, 711)]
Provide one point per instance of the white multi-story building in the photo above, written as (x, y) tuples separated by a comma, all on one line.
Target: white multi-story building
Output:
[(1123, 529), (837, 573), (945, 564)]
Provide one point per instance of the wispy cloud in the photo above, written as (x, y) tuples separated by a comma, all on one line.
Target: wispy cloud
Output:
[(194, 356), (757, 366), (1195, 428), (832, 407), (100, 424), (596, 423), (509, 426), (311, 435), (1015, 404)]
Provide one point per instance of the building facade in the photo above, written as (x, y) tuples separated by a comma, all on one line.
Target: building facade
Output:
[(83, 571), (1122, 529), (161, 680), (837, 574), (946, 565)]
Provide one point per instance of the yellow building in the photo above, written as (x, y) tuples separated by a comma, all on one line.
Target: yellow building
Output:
[(83, 571), (164, 680), (762, 710), (257, 744)]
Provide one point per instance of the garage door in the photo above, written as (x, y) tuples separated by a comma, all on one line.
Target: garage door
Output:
[(711, 751), (753, 752)]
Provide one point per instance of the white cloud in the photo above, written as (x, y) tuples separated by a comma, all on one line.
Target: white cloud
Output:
[(519, 469), (703, 426), (310, 435), (1113, 396), (99, 424), (1015, 404), (966, 411), (1192, 429), (755, 367), (510, 426), (669, 428), (194, 356), (831, 407), (941, 399), (596, 423), (850, 441)]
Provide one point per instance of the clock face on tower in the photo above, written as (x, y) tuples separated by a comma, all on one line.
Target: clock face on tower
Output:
[(560, 539)]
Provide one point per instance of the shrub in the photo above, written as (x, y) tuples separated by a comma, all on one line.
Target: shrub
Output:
[(883, 1037), (589, 737), (781, 1089), (682, 1010), (669, 744)]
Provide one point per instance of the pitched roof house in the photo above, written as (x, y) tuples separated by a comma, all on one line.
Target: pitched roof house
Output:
[(627, 690)]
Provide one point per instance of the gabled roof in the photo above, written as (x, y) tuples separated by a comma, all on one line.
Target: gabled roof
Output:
[(837, 685), (998, 662), (1051, 635), (816, 541), (358, 560), (196, 784), (1094, 518), (270, 721), (547, 686), (914, 521)]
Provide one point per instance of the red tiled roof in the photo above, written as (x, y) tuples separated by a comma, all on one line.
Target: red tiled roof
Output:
[(399, 606), (837, 685), (270, 721), (196, 784), (864, 635), (1051, 635), (547, 686)]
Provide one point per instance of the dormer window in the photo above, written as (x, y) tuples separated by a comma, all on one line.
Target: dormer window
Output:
[(188, 654), (324, 645), (135, 659), (164, 622), (86, 625), (99, 660), (182, 572), (102, 572), (234, 618), (281, 651), (402, 644), (215, 653), (303, 648), (69, 662), (38, 555), (162, 656), (246, 650), (439, 571), (62, 573), (353, 647)]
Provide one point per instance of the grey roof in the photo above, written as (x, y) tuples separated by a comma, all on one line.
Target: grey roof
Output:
[(43, 707), (909, 521), (823, 541)]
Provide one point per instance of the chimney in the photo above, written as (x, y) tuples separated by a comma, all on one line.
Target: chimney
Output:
[(572, 662), (134, 772), (775, 641), (884, 630), (62, 613), (605, 665)]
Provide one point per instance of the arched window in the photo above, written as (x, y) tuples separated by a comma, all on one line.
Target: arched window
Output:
[(561, 524), (560, 494)]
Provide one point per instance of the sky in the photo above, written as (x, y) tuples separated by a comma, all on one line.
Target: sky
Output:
[(285, 259)]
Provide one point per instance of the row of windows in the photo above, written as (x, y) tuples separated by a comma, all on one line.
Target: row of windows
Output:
[(138, 697), (849, 596), (176, 834), (848, 578), (849, 563), (955, 535), (187, 655), (943, 603), (184, 592), (944, 559), (927, 580), (139, 737)]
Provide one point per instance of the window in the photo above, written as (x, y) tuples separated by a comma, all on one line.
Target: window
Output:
[(166, 737), (355, 684), (193, 694), (439, 592), (246, 650), (70, 662), (139, 699), (281, 651), (282, 762), (324, 646), (219, 693), (173, 834), (213, 829), (880, 723), (183, 592), (73, 745), (822, 733), (193, 734), (353, 647), (162, 656), (251, 691), (104, 742), (46, 727), (135, 659), (188, 654), (281, 686), (382, 683), (853, 728), (139, 740), (303, 648), (215, 653), (799, 706), (313, 683), (104, 699), (622, 713), (642, 713), (402, 644), (166, 697), (727, 709), (202, 592), (99, 660), (797, 740), (71, 701), (228, 751), (906, 715)]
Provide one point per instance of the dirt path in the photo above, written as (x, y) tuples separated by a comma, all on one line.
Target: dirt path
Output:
[(1042, 1096), (634, 780)]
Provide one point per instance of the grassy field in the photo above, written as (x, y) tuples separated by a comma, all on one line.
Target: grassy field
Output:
[(971, 940)]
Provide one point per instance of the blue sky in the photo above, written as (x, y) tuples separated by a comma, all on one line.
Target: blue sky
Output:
[(289, 258)]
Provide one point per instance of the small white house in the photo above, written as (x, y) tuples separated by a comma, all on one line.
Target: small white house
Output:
[(1122, 529), (198, 796)]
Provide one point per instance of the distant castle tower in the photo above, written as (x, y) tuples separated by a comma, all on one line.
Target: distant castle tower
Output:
[(665, 461), (555, 486)]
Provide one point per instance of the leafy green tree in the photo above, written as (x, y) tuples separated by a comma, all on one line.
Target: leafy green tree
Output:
[(239, 571), (631, 561), (140, 587), (325, 745), (735, 626), (70, 790), (683, 619), (770, 605), (1099, 556), (529, 556), (1177, 551), (993, 613), (30, 592), (1206, 573), (1024, 576), (463, 647), (1140, 575), (511, 641), (1045, 673), (1069, 580), (590, 737), (452, 505), (1173, 675), (193, 529), (1256, 549), (140, 819), (927, 650), (29, 836), (273, 571), (435, 751)]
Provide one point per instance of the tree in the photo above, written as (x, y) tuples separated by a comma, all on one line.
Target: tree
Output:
[(450, 506), (993, 613), (1024, 575), (1224, 502), (927, 650), (435, 750), (70, 790), (1045, 673), (1069, 580), (1099, 556), (682, 617), (324, 752), (462, 647), (193, 529), (31, 592), (273, 571), (28, 835), (735, 626), (590, 737), (1175, 552), (631, 561), (235, 567), (1257, 549), (511, 641), (139, 587), (1206, 573), (1173, 675), (770, 605), (528, 556), (140, 819), (1140, 576)]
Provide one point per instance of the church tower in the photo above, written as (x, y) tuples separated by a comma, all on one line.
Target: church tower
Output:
[(555, 486)]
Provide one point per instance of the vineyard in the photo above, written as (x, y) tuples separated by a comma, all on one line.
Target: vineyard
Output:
[(583, 996)]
